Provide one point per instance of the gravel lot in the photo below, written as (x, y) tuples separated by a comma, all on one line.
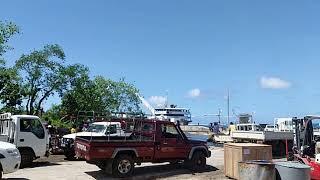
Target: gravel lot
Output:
[(55, 167)]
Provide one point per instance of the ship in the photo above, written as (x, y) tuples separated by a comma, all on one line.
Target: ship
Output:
[(173, 113)]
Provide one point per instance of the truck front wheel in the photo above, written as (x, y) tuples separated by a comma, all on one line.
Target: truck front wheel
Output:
[(27, 157), (123, 166), (69, 154), (197, 162)]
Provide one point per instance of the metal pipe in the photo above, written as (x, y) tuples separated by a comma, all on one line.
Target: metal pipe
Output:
[(287, 148)]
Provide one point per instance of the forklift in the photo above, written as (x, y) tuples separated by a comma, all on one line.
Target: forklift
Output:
[(307, 148)]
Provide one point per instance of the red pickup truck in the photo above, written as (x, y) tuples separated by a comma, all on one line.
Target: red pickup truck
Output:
[(143, 141)]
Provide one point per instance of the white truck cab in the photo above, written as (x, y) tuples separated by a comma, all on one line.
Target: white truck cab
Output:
[(95, 129), (27, 133), (10, 158), (270, 127)]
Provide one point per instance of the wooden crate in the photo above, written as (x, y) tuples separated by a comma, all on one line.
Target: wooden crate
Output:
[(236, 152)]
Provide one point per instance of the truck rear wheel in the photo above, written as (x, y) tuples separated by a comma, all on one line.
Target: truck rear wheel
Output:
[(198, 161), (1, 174), (123, 166)]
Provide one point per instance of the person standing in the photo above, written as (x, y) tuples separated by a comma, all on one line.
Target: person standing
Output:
[(73, 129)]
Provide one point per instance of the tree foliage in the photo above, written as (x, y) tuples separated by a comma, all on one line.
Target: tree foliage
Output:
[(100, 95), (7, 30), (10, 94), (44, 74), (10, 90)]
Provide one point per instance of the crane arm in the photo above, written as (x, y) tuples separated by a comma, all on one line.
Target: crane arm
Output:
[(146, 104)]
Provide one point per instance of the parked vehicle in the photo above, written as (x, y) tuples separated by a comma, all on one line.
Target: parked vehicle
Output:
[(271, 128), (27, 133), (281, 141), (95, 129), (149, 141), (10, 158)]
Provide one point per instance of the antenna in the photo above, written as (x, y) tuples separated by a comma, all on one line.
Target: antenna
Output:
[(166, 103)]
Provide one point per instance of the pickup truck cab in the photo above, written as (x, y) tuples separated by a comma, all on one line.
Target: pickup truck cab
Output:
[(97, 129), (10, 158), (153, 141)]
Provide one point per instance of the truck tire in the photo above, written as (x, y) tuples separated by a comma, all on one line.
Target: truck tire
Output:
[(70, 155), (27, 157), (197, 162), (290, 156), (123, 166), (1, 174)]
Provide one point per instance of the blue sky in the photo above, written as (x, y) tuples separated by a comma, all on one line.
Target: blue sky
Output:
[(267, 52)]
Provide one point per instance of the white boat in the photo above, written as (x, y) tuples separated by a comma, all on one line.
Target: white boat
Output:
[(174, 114)]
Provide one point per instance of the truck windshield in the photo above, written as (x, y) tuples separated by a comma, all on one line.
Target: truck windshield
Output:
[(96, 128)]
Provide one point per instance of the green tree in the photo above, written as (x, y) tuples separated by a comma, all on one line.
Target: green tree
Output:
[(10, 91), (100, 95), (44, 73), (125, 93), (7, 30)]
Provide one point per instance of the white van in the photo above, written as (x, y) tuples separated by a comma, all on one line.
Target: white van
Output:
[(10, 158)]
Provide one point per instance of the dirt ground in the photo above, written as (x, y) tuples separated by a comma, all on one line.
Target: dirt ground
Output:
[(55, 167)]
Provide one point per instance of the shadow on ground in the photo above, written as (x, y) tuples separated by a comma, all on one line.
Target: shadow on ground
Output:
[(153, 172), (74, 159), (41, 164)]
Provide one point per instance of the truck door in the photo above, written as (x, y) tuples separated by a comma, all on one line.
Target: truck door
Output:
[(171, 144), (32, 134)]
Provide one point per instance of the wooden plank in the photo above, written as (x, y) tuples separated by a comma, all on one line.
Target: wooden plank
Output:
[(237, 157), (247, 145), (228, 161)]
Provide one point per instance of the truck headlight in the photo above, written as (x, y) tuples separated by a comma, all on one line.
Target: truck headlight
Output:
[(2, 156), (13, 152)]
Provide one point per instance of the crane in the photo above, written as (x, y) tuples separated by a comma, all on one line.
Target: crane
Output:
[(146, 104)]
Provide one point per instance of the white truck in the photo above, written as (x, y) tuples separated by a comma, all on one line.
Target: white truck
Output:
[(97, 129), (10, 158), (28, 134), (281, 141)]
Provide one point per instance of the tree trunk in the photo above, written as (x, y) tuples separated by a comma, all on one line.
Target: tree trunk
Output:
[(46, 95)]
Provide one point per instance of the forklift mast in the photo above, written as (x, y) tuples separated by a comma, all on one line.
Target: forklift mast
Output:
[(297, 123), (304, 132)]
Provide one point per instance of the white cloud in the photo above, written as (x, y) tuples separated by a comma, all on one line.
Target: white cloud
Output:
[(274, 83), (194, 93), (158, 101)]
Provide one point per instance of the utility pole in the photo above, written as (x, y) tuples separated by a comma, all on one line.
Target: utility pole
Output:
[(228, 106)]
